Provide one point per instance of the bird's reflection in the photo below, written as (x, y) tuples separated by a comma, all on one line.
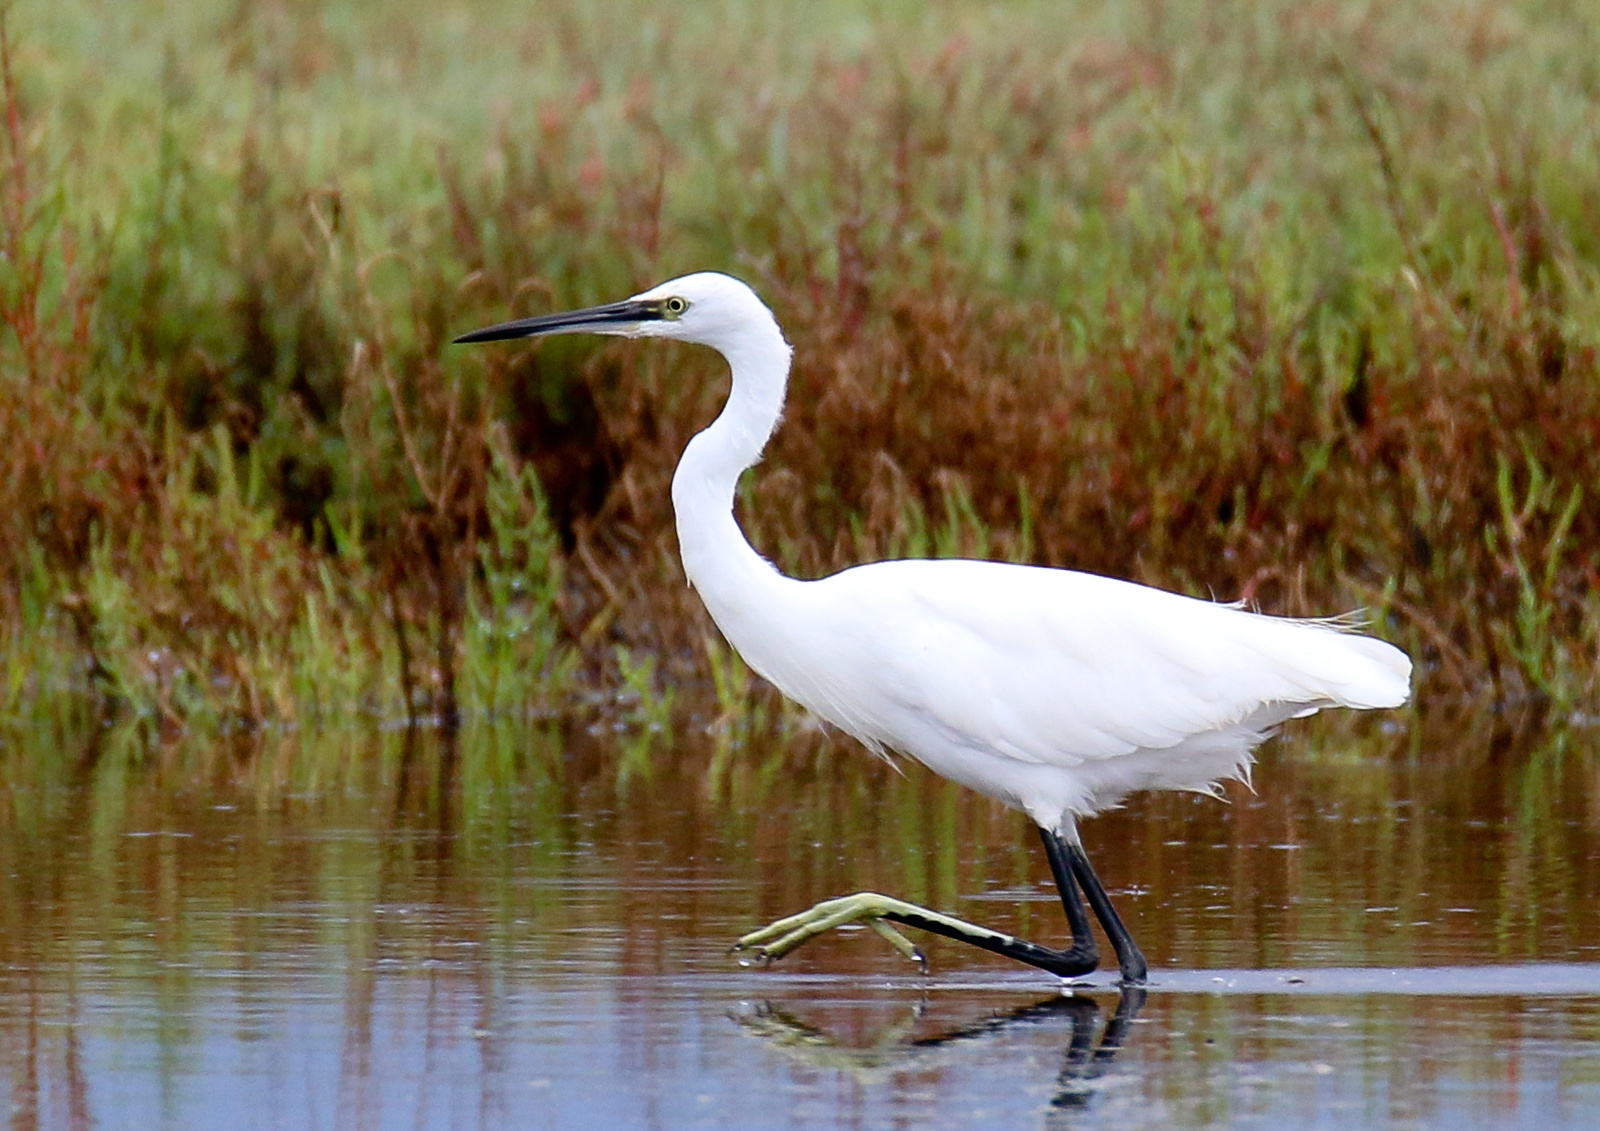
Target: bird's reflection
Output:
[(895, 1049)]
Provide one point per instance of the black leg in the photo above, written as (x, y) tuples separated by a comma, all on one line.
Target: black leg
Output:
[(1067, 863), (1077, 918), (1129, 957), (1079, 959)]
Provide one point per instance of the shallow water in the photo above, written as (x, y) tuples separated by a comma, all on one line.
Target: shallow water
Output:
[(1400, 929)]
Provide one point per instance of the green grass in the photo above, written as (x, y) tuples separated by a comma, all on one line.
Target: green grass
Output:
[(1295, 303)]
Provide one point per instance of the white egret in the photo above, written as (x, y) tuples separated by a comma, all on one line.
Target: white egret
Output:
[(1055, 692)]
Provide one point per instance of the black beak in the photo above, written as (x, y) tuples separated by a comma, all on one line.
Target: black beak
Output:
[(575, 322)]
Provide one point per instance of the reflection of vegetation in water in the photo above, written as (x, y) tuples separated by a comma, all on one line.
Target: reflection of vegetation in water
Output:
[(1470, 820), (1386, 858), (457, 875)]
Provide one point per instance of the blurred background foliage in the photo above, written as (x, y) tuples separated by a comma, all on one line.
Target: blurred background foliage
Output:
[(1289, 302)]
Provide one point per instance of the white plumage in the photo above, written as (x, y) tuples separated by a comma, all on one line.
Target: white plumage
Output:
[(1055, 692)]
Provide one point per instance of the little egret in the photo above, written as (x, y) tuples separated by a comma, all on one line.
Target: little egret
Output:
[(1054, 692)]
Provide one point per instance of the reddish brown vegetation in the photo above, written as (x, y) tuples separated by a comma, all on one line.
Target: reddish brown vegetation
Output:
[(1326, 362)]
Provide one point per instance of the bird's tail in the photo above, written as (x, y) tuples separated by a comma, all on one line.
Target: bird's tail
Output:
[(1351, 670)]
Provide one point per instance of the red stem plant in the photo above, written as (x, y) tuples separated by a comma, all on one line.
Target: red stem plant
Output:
[(1096, 302)]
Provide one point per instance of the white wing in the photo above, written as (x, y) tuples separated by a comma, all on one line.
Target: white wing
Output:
[(1060, 668), (1052, 690)]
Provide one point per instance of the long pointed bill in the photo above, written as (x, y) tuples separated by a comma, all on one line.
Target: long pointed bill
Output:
[(614, 318)]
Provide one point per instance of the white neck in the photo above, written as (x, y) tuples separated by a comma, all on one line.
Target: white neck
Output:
[(730, 576)]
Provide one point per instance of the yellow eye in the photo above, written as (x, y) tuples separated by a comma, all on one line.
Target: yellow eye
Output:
[(673, 307)]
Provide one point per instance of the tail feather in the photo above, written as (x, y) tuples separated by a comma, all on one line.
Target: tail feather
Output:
[(1357, 671)]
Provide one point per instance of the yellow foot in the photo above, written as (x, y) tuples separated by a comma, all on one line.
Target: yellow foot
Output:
[(777, 939)]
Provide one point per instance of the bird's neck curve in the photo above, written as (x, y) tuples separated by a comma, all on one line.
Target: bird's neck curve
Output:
[(719, 562)]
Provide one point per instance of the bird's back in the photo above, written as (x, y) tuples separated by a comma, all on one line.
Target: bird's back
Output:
[(1059, 691)]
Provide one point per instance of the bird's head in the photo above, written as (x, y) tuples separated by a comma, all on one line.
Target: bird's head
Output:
[(709, 308)]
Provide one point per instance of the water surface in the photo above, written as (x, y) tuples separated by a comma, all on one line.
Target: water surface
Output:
[(1400, 929)]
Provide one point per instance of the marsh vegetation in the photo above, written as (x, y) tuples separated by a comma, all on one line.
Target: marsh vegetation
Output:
[(1291, 304)]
